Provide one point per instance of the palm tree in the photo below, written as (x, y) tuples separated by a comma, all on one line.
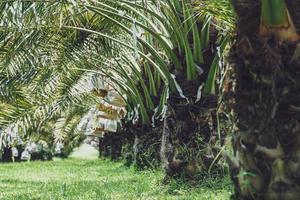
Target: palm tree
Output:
[(265, 56), (162, 56), (42, 85), (181, 53)]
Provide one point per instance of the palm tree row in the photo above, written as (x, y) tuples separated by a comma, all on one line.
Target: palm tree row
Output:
[(38, 69), (165, 59), (160, 68)]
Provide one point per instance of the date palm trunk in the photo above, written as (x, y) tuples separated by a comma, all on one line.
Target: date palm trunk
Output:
[(189, 137), (6, 154), (190, 130), (266, 161), (146, 146), (141, 144)]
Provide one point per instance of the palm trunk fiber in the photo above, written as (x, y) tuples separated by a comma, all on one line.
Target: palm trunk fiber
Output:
[(188, 137), (146, 146), (266, 162)]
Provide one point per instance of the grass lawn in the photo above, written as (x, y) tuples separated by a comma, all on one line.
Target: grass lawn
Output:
[(75, 179)]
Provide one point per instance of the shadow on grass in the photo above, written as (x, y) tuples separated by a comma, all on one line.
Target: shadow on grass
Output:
[(207, 182)]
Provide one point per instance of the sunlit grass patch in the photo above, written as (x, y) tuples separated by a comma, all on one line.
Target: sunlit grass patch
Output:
[(73, 179)]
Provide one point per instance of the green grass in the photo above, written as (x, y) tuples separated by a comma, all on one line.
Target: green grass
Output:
[(74, 179)]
